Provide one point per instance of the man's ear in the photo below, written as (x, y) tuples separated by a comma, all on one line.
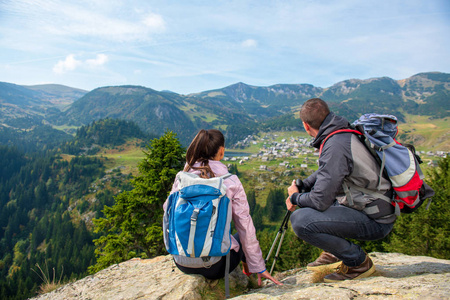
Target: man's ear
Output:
[(306, 126)]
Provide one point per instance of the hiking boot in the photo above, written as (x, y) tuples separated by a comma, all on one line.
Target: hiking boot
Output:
[(344, 272), (326, 260)]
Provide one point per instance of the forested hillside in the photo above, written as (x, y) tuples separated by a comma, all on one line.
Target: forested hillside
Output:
[(39, 138), (105, 133), (44, 210), (152, 111), (22, 107), (35, 224)]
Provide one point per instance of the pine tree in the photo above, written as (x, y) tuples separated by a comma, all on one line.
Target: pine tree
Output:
[(275, 204), (233, 169), (132, 226), (251, 198), (257, 217)]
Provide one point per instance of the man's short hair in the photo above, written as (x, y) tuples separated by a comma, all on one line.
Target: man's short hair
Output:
[(314, 111)]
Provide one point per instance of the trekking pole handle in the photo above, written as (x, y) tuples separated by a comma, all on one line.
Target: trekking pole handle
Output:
[(299, 184)]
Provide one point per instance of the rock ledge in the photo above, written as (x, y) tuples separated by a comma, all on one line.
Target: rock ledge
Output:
[(398, 276)]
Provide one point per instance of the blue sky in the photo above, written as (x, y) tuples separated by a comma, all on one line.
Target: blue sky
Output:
[(193, 46)]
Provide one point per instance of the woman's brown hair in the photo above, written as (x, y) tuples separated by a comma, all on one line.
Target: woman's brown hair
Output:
[(204, 147)]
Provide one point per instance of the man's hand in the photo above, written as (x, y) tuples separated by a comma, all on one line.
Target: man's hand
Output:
[(289, 205), (293, 188)]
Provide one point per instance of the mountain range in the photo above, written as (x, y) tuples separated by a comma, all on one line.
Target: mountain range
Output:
[(238, 109)]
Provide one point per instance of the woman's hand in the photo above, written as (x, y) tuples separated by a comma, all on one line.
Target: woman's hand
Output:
[(267, 275)]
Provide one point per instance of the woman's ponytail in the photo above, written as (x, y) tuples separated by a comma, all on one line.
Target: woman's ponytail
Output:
[(204, 147)]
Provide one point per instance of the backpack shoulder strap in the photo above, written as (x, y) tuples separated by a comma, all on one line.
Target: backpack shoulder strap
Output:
[(225, 176), (335, 132)]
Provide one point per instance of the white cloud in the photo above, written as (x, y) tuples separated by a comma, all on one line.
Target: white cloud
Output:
[(250, 43), (71, 63), (154, 22), (117, 21), (101, 59), (317, 42), (90, 24)]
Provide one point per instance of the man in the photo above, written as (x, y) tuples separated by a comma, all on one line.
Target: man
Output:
[(334, 208)]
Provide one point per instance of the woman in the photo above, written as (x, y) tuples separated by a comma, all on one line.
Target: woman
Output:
[(203, 158)]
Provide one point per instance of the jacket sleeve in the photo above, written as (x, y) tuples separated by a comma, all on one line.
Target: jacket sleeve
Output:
[(308, 183), (245, 228), (335, 163)]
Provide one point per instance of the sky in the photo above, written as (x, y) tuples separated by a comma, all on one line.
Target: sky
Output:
[(194, 46)]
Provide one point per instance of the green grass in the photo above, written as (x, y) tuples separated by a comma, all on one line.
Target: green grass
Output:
[(425, 133), (66, 128), (128, 155), (193, 111)]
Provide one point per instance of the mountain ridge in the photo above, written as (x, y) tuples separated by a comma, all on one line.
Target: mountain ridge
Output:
[(238, 109)]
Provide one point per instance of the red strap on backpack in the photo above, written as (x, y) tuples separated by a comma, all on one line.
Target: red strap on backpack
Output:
[(333, 133)]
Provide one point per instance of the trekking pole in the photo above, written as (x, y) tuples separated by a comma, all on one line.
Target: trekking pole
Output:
[(281, 232)]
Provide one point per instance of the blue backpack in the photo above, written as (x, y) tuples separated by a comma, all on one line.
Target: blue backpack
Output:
[(197, 220)]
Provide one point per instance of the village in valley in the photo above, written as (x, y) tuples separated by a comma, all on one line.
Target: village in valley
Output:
[(274, 159), (273, 147)]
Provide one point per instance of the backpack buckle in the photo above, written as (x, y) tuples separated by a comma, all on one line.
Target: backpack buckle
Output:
[(195, 215)]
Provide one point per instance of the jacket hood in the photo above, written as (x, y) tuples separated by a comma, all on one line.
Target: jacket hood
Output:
[(331, 123), (217, 167)]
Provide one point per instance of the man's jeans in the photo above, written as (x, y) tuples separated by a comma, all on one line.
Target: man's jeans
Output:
[(329, 230)]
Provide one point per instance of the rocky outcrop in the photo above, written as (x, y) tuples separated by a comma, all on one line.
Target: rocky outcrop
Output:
[(398, 276)]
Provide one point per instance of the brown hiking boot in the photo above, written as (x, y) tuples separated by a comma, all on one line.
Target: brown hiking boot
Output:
[(344, 272), (326, 260)]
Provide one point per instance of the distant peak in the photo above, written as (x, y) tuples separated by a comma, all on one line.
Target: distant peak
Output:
[(238, 85)]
